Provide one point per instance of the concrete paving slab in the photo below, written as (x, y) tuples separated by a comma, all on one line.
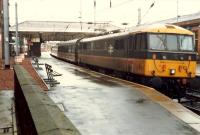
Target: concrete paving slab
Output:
[(6, 119)]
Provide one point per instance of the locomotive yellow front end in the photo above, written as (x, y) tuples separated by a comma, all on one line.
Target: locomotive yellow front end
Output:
[(170, 68), (171, 58), (171, 53)]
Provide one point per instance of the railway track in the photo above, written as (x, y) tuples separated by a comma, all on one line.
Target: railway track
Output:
[(192, 100)]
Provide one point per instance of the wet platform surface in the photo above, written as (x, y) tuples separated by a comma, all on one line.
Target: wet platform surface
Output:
[(97, 105), (6, 121)]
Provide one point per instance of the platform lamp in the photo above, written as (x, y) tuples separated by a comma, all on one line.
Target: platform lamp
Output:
[(16, 31)]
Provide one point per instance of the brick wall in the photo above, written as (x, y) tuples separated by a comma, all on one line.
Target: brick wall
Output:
[(6, 79), (7, 76)]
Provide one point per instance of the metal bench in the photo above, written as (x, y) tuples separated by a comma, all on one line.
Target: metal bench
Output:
[(36, 62), (50, 75), (6, 129)]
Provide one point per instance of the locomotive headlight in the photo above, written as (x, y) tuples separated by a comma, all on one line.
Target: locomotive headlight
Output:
[(172, 71)]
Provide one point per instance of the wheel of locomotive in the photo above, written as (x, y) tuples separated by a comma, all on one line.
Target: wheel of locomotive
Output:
[(156, 82), (194, 83), (177, 92)]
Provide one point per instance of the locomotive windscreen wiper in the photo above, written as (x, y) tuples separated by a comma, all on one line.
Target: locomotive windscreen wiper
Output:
[(162, 43), (157, 42)]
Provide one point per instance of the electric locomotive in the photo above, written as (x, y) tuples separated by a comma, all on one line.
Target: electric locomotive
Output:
[(159, 55)]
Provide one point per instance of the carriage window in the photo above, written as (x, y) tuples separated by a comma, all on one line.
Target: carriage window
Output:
[(88, 46), (130, 45), (70, 49), (73, 48), (92, 45), (98, 45), (66, 48), (134, 42), (138, 41), (119, 44), (84, 46), (143, 44), (80, 46)]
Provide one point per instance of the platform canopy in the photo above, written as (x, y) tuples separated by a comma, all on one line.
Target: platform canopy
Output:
[(185, 20), (59, 31), (190, 21)]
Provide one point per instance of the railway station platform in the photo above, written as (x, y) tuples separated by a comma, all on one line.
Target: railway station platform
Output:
[(101, 105)]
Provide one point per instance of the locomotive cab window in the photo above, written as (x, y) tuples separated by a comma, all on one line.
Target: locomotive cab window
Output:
[(157, 42), (186, 43), (170, 42)]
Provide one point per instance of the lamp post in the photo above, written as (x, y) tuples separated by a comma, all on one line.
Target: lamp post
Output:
[(6, 34), (16, 32), (139, 16)]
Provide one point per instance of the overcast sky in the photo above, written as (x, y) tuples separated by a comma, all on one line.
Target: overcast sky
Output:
[(120, 12)]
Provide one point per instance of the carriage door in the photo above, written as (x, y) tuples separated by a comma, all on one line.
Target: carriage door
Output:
[(130, 46), (130, 51), (76, 52)]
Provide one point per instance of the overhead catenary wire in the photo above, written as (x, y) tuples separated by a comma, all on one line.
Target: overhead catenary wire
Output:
[(151, 6), (116, 5), (94, 13), (111, 5)]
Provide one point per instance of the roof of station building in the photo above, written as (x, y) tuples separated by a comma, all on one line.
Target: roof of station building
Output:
[(56, 26)]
